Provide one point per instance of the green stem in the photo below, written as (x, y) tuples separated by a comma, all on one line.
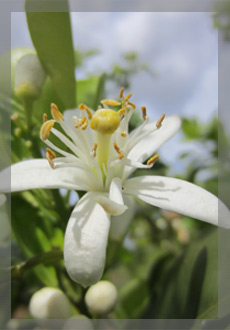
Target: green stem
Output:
[(28, 107), (45, 258)]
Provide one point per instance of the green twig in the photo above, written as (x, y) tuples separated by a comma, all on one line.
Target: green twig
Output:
[(45, 258)]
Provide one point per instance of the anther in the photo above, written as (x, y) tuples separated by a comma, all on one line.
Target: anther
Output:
[(110, 102), (46, 128), (122, 111), (56, 114), (118, 150), (84, 123), (123, 134), (153, 160), (50, 155), (44, 117), (84, 107), (121, 92), (160, 120), (132, 104), (121, 156), (94, 149), (144, 114), (128, 97)]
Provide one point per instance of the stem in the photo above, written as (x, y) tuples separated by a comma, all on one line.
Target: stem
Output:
[(28, 107), (45, 258)]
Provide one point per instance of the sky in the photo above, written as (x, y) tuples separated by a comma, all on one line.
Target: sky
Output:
[(182, 48)]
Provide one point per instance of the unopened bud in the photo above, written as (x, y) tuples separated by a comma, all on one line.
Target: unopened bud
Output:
[(29, 77), (101, 298), (50, 303)]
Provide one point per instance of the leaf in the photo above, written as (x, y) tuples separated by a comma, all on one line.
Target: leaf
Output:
[(52, 39), (189, 288)]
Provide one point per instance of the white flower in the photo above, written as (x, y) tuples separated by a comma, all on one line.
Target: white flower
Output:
[(102, 155)]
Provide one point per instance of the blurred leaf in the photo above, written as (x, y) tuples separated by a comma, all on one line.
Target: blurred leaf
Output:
[(90, 91), (80, 56), (191, 128), (25, 225), (190, 287), (52, 39)]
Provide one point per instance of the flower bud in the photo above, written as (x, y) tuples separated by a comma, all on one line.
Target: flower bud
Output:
[(50, 303), (29, 77), (101, 298)]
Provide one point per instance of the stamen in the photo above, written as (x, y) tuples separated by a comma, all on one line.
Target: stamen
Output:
[(128, 97), (132, 104), (118, 150), (122, 111), (121, 156), (144, 114), (160, 120), (121, 92), (44, 117), (153, 160), (84, 123), (94, 149), (110, 102), (56, 114), (46, 128), (123, 134), (50, 155), (84, 107)]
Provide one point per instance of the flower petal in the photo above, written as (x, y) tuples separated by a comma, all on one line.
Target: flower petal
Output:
[(146, 147), (179, 196), (37, 173), (85, 241), (108, 205), (115, 191), (120, 224)]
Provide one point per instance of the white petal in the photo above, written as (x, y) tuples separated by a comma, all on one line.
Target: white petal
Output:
[(148, 146), (115, 191), (108, 205), (37, 173), (85, 241), (179, 196), (120, 224)]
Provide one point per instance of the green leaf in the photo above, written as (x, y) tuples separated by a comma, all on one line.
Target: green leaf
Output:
[(52, 39), (189, 288), (90, 91)]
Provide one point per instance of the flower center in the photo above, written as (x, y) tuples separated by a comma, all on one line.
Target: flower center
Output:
[(105, 121)]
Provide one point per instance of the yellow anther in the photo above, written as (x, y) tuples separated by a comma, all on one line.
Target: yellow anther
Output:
[(121, 92), (44, 117), (118, 150), (110, 102), (46, 128), (123, 104), (56, 114), (105, 121), (122, 111), (121, 156), (94, 149), (160, 120), (132, 104), (153, 160), (50, 155), (128, 97), (144, 114), (84, 123), (84, 107), (123, 134)]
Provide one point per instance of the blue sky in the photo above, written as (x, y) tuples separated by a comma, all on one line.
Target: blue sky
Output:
[(181, 47)]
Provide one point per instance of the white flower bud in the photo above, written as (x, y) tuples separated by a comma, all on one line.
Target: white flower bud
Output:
[(50, 303), (29, 77), (101, 298), (78, 322)]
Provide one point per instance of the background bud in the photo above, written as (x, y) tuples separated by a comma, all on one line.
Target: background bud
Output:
[(101, 298), (50, 303), (29, 77)]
